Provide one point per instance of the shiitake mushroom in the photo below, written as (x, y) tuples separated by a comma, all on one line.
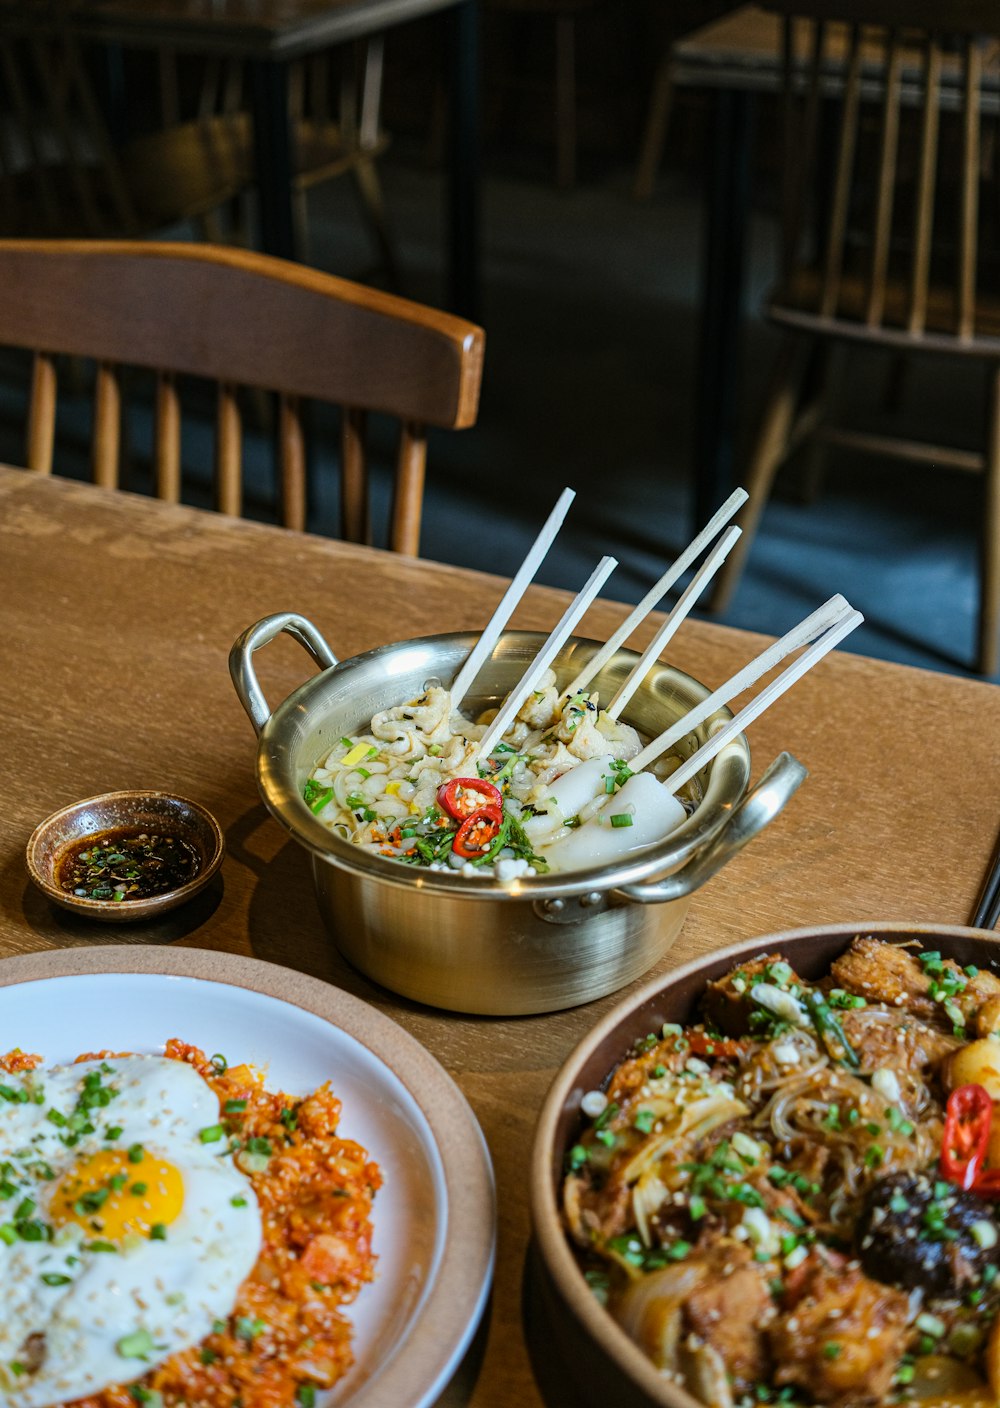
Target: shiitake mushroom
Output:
[(915, 1230)]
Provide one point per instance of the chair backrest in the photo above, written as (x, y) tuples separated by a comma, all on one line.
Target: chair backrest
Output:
[(884, 219), (239, 319)]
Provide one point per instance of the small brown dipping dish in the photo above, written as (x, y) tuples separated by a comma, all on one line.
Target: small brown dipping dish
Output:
[(193, 836)]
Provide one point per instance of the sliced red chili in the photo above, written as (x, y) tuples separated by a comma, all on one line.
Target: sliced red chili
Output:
[(966, 1134), (463, 796), (477, 833), (987, 1184)]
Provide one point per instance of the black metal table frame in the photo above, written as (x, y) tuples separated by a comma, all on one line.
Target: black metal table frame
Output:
[(269, 55)]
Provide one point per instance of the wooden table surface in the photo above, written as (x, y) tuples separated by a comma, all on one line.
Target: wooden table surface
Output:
[(244, 28), (116, 617)]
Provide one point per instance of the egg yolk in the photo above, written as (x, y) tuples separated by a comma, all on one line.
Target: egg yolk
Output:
[(118, 1193)]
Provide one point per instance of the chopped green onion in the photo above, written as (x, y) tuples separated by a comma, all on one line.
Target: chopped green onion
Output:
[(138, 1345)]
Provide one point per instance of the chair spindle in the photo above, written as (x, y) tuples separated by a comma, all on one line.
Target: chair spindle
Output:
[(354, 516), (803, 135), (408, 498), (167, 453), (228, 452), (293, 463), (107, 426), (926, 174), (888, 152), (42, 413), (969, 215), (842, 181)]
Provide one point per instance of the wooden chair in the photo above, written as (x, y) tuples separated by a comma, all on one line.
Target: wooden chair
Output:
[(335, 103), (62, 174), (890, 243), (239, 319)]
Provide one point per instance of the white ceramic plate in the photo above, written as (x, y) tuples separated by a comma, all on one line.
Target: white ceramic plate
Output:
[(434, 1215)]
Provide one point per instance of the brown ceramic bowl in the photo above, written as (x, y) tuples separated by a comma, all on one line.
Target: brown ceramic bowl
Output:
[(160, 812), (597, 1361)]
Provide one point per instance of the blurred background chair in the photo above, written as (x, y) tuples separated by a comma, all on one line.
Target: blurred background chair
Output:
[(335, 107), (61, 171), (238, 319), (175, 145), (889, 217)]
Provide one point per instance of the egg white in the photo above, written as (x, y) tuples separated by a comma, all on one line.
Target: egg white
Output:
[(62, 1338)]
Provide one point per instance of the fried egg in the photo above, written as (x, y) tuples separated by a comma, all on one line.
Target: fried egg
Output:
[(126, 1229)]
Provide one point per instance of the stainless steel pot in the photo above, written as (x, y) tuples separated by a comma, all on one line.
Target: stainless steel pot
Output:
[(533, 945)]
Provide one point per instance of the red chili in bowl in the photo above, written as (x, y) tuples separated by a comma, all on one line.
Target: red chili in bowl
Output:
[(463, 796), (476, 834)]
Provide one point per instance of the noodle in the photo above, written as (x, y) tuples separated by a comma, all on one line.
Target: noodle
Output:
[(381, 788), (831, 1254)]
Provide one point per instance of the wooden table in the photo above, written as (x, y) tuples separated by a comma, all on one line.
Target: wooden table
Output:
[(116, 617), (268, 35)]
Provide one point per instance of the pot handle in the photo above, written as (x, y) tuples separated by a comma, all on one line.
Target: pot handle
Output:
[(760, 806), (241, 668)]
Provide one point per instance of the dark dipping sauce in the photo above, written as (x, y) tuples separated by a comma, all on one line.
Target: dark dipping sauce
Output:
[(127, 863)]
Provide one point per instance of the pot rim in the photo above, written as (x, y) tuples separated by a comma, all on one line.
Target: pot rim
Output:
[(548, 1231), (287, 807)]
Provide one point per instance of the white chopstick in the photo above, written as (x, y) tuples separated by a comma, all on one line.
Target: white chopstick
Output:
[(508, 602), (685, 603), (766, 697), (659, 590), (541, 662), (820, 620)]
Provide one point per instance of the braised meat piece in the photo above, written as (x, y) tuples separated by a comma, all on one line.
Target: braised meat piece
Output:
[(895, 1039), (982, 987), (886, 973), (909, 1236), (726, 1004), (728, 1310), (839, 1336), (926, 985)]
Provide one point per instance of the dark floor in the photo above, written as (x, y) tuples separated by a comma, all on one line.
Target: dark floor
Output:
[(590, 306)]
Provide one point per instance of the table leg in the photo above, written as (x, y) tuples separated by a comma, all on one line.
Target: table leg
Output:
[(463, 160), (273, 156), (727, 209)]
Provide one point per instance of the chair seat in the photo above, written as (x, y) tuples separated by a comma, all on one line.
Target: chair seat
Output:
[(159, 179), (796, 303), (189, 169), (322, 153)]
